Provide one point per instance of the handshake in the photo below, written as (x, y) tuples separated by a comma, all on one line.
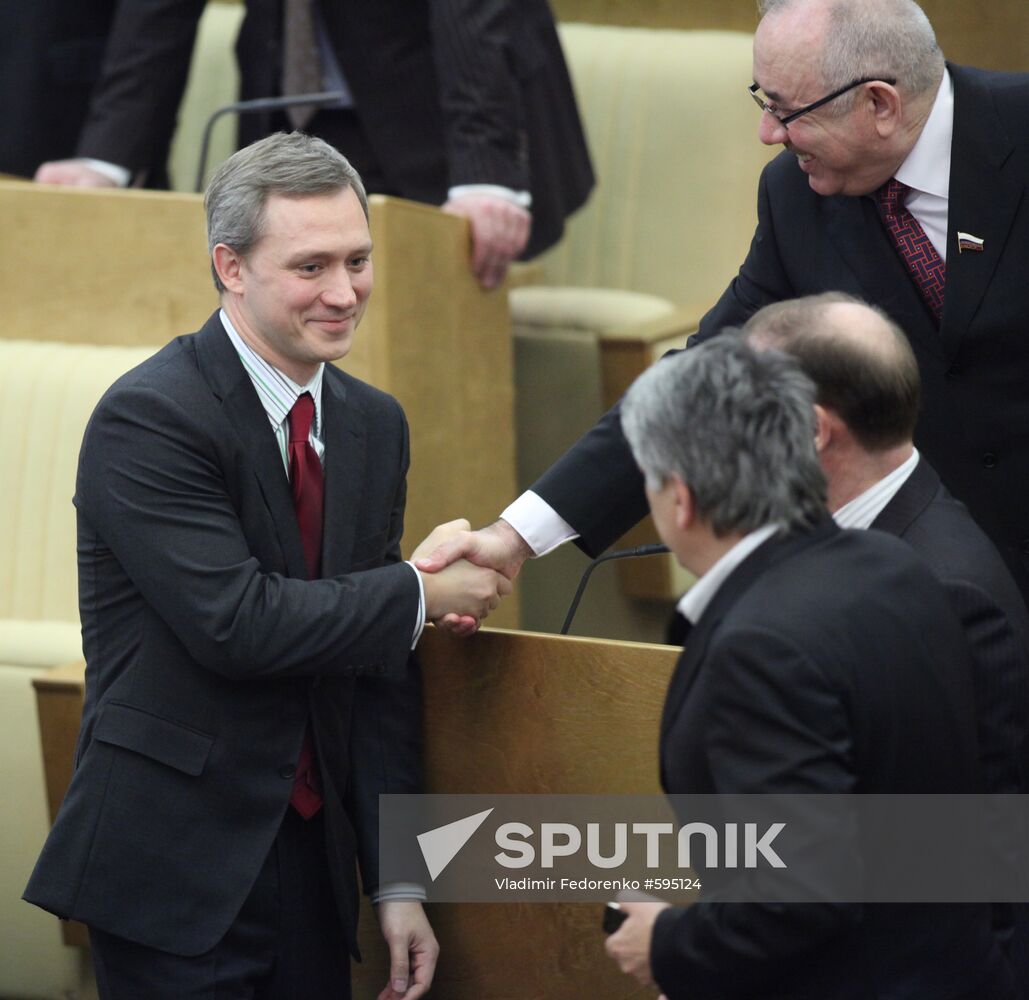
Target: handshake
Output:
[(465, 572)]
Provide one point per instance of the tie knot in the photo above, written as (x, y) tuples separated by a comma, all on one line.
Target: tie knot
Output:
[(890, 195), (300, 418)]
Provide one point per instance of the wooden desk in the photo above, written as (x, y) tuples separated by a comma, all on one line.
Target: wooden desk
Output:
[(505, 712)]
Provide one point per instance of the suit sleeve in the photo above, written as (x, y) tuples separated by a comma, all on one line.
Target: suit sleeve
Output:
[(776, 726), (476, 65), (134, 106), (999, 682), (153, 488), (386, 730)]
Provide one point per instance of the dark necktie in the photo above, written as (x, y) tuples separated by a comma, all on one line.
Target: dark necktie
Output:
[(301, 58), (927, 268), (307, 484)]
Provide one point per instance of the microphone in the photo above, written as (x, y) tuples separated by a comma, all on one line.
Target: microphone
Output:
[(252, 107), (640, 550)]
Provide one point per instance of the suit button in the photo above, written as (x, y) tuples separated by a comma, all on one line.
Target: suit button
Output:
[(287, 771), (989, 460), (952, 372)]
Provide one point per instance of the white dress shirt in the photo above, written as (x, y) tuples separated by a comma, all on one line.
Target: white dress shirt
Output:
[(866, 507), (695, 601), (927, 169)]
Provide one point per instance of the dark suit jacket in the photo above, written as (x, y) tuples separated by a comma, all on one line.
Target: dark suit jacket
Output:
[(448, 92), (974, 425), (828, 662), (990, 609), (208, 651), (50, 57)]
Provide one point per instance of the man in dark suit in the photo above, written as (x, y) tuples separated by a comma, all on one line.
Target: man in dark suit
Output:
[(51, 52), (250, 687), (820, 661), (866, 403), (462, 102), (957, 137)]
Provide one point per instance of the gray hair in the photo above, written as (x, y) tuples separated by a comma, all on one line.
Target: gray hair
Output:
[(737, 426), (874, 38), (286, 163)]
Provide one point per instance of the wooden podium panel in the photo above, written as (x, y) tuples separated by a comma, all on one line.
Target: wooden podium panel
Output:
[(505, 712), (131, 267)]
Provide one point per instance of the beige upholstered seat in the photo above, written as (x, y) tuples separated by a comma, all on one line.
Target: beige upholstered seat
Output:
[(674, 145), (47, 392)]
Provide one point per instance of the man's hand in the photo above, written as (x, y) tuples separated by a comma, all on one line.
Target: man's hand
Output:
[(412, 949), (463, 590), (629, 946), (72, 172), (440, 534), (498, 546), (500, 231)]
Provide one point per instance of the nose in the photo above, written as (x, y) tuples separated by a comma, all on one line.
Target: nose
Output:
[(771, 131), (339, 292)]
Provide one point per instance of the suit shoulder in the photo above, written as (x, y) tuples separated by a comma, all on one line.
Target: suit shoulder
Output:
[(835, 576), (173, 365), (373, 401), (954, 546), (1008, 92)]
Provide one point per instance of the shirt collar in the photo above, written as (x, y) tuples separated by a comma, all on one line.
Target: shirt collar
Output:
[(927, 167), (862, 511), (695, 601), (276, 390)]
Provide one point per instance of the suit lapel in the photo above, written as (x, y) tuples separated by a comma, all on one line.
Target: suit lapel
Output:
[(909, 501), (224, 373), (987, 183), (345, 434)]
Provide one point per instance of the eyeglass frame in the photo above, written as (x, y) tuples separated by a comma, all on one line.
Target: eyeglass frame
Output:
[(786, 120)]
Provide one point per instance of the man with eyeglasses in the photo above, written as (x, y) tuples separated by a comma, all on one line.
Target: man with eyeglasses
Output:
[(903, 182)]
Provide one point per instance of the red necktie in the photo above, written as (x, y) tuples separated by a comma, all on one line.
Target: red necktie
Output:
[(307, 484), (927, 268)]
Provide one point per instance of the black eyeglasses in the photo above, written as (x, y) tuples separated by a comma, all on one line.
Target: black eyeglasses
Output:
[(785, 120)]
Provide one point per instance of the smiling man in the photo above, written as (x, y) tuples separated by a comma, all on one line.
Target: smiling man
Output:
[(903, 182), (248, 624)]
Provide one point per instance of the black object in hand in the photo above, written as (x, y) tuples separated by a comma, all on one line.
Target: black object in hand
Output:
[(614, 917)]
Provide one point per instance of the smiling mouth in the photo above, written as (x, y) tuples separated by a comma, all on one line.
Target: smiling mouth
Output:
[(331, 319)]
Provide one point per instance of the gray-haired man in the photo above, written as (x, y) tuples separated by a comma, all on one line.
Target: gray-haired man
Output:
[(805, 671)]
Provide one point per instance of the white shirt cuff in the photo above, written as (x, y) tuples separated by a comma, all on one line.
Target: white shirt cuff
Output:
[(398, 890), (520, 198), (538, 523), (420, 624), (120, 175)]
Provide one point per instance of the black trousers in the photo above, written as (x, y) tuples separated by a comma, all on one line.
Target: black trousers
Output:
[(286, 944)]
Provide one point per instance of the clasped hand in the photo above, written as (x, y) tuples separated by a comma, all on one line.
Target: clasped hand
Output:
[(467, 572)]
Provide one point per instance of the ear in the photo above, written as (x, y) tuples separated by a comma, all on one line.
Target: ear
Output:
[(886, 106), (685, 506), (823, 428), (229, 266)]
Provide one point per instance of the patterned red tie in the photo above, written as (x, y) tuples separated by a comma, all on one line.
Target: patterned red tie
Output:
[(927, 268), (307, 483)]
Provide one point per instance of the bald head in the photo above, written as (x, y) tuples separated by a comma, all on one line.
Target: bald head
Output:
[(857, 39), (860, 361)]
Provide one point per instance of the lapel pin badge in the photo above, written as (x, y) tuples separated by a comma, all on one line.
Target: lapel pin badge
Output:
[(966, 241)]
